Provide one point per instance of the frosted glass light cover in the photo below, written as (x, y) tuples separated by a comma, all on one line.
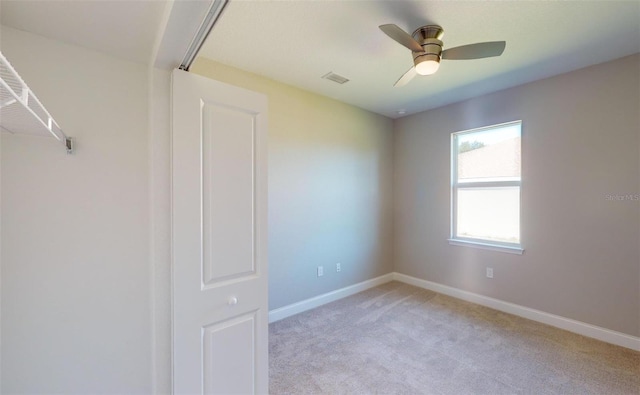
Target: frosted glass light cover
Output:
[(427, 67)]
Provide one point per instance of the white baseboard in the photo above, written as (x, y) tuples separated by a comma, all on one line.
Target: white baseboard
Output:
[(581, 328), (596, 332), (308, 304)]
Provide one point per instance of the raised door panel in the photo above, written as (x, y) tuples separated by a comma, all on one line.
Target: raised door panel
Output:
[(228, 185), (229, 356)]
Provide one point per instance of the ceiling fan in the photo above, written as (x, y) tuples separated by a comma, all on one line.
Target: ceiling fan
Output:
[(426, 48)]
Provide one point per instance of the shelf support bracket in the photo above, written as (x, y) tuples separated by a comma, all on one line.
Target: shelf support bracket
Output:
[(69, 143)]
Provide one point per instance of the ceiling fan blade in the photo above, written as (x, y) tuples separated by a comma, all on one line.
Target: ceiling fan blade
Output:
[(406, 77), (401, 37), (475, 51)]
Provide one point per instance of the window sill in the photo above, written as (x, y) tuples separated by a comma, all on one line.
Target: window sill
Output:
[(486, 246)]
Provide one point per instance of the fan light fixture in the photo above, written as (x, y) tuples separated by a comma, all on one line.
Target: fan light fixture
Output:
[(427, 66), (427, 61)]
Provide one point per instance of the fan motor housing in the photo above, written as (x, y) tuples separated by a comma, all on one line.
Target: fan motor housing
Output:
[(428, 31), (429, 38), (432, 51)]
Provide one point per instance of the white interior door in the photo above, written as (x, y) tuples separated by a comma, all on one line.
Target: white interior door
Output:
[(219, 236)]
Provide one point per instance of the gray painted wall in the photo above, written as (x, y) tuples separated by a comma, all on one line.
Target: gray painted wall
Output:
[(579, 144), (330, 188)]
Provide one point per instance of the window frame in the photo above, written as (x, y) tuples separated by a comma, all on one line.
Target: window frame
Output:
[(454, 239)]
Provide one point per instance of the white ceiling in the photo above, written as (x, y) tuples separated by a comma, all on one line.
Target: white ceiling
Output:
[(296, 42), (124, 29)]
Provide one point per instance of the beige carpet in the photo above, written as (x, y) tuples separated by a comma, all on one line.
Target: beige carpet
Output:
[(399, 339)]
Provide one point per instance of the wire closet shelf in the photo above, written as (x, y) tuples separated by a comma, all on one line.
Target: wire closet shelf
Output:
[(20, 110)]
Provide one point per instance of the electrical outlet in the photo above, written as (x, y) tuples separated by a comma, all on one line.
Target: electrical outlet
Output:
[(489, 272), (338, 268), (320, 271)]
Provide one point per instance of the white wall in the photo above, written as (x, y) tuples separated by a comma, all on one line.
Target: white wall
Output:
[(329, 188), (75, 243), (580, 143), (160, 205), (0, 265)]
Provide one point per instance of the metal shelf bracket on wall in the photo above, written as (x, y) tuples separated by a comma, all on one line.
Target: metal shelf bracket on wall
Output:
[(20, 110)]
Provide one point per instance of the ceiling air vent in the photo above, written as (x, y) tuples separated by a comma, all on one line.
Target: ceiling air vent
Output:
[(331, 76)]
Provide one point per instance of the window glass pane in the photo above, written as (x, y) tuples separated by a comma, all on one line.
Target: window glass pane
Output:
[(489, 155), (489, 213)]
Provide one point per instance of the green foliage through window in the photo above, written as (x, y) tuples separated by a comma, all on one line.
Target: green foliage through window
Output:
[(466, 146)]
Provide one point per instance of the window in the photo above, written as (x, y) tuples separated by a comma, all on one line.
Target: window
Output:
[(485, 187)]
